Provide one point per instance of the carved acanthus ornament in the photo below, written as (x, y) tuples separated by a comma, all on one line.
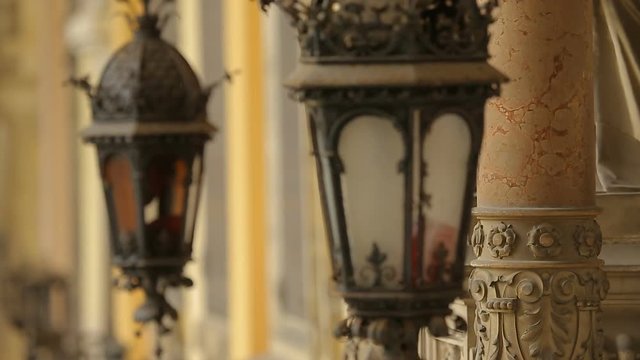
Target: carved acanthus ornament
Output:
[(537, 314), (541, 301)]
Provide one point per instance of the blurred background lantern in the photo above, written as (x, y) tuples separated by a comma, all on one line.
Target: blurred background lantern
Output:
[(150, 127), (395, 94)]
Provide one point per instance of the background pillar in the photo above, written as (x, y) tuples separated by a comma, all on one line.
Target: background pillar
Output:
[(537, 280), (246, 177)]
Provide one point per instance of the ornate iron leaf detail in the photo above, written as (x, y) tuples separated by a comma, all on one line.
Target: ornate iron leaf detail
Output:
[(477, 239), (377, 273), (544, 241), (501, 240), (426, 29), (588, 240)]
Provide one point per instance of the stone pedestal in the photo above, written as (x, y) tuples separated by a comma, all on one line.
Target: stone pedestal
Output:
[(537, 280)]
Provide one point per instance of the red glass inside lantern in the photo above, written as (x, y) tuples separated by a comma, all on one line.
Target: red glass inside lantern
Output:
[(165, 202)]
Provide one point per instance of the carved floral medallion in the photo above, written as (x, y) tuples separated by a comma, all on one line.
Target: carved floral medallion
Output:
[(501, 240), (544, 241), (588, 240)]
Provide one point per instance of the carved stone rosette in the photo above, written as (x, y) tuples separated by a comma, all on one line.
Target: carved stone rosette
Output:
[(542, 299)]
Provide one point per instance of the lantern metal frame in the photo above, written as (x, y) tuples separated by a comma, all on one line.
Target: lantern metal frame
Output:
[(408, 62)]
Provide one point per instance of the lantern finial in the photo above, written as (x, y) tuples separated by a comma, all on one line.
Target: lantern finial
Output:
[(152, 19)]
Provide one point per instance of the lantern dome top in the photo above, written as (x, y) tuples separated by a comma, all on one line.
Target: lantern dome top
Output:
[(148, 80), (148, 89)]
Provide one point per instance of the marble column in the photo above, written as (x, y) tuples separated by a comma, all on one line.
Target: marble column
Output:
[(537, 280)]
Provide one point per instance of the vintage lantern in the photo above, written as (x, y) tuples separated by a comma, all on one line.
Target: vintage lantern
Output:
[(150, 128), (395, 93)]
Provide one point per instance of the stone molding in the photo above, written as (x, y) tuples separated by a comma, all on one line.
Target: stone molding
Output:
[(537, 238)]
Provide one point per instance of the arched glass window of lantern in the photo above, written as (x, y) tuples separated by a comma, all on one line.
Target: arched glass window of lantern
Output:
[(170, 194), (445, 152), (371, 151)]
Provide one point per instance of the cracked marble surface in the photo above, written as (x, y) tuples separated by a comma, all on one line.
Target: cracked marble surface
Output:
[(539, 143)]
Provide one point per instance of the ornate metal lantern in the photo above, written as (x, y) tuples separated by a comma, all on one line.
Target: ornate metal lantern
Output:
[(150, 127), (395, 93)]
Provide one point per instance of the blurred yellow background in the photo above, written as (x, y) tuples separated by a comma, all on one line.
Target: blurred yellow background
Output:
[(261, 277)]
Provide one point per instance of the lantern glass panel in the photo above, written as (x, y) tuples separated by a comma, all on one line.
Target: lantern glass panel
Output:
[(371, 150), (122, 202), (165, 195), (446, 151), (193, 196)]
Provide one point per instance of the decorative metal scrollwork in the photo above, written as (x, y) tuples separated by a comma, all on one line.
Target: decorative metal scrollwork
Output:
[(429, 29), (376, 273)]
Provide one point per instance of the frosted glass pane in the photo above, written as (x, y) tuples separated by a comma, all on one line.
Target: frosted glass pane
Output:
[(373, 194), (446, 151)]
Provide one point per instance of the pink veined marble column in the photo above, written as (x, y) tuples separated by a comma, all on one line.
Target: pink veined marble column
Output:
[(539, 148), (537, 280)]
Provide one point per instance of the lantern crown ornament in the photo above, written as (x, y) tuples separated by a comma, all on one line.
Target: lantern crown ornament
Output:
[(395, 92), (150, 127), (379, 30)]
